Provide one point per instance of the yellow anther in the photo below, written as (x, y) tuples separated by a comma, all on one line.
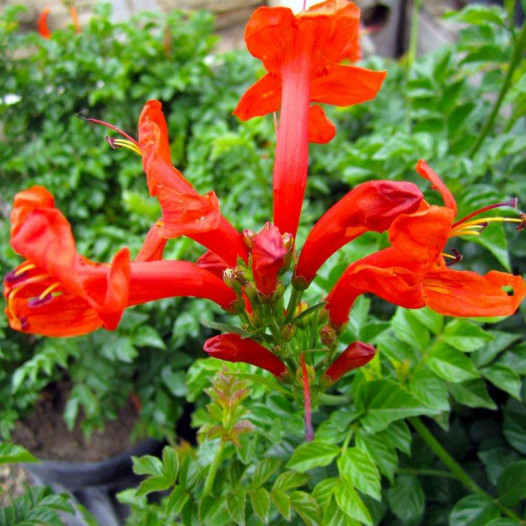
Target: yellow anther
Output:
[(124, 143), (49, 290)]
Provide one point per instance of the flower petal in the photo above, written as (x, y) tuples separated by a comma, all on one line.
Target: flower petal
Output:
[(261, 98), (321, 129), (153, 246), (346, 85), (427, 173), (463, 293)]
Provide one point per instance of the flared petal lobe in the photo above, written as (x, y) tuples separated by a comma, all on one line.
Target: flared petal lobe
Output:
[(370, 206), (232, 348)]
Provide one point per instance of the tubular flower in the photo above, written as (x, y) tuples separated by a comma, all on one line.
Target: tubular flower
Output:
[(370, 206), (43, 28), (185, 212), (301, 54), (413, 272), (232, 348), (57, 292), (355, 355), (268, 257)]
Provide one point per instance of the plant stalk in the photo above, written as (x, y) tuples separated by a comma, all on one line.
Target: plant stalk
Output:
[(514, 62), (455, 467), (213, 469), (413, 35)]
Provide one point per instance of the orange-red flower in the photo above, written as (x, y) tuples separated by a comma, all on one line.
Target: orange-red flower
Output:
[(57, 292), (413, 271), (232, 348), (302, 54), (43, 28), (355, 355), (370, 206)]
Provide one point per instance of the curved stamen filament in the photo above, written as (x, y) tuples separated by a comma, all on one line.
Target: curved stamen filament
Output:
[(49, 290), (467, 232), (478, 222), (510, 202), (15, 290), (111, 127), (23, 268)]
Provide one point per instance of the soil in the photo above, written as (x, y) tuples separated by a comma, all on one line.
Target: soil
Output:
[(45, 434)]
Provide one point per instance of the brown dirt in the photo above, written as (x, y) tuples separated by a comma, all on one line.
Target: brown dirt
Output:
[(45, 434), (12, 481)]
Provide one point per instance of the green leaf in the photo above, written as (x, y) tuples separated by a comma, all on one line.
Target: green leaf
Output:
[(501, 340), (290, 479), (381, 451), (335, 516), (496, 459), (323, 492), (260, 500), (410, 330), (264, 470), (514, 428), (306, 507), (399, 435), (152, 484), (406, 498), (359, 467), (282, 502), (450, 364), (385, 401), (350, 502), (511, 485), (147, 465), (480, 15), (235, 503), (495, 241), (147, 336), (504, 378), (472, 393), (432, 320), (210, 509), (170, 463), (12, 453), (474, 510), (178, 498), (311, 455), (465, 336), (430, 389)]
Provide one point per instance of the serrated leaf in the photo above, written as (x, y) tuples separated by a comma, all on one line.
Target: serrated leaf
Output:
[(12, 453), (501, 340), (381, 451), (350, 502), (504, 378), (178, 498), (282, 502), (474, 510), (496, 459), (385, 401), (147, 465), (335, 516), (431, 319), (359, 467), (260, 500), (170, 463), (323, 492), (399, 435), (472, 393), (311, 455), (152, 484), (511, 485), (235, 503), (514, 428), (306, 507), (430, 389), (465, 336), (406, 498), (290, 479), (264, 470), (410, 330), (450, 364), (479, 15)]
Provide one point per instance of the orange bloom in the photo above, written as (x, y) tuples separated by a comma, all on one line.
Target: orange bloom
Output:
[(57, 292), (355, 355), (413, 272), (302, 54), (43, 28)]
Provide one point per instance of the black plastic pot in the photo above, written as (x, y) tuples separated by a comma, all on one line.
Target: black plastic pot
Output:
[(94, 484)]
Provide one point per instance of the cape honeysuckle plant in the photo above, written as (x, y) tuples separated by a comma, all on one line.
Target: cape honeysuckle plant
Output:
[(262, 276)]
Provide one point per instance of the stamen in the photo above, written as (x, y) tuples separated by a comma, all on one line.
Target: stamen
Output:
[(49, 290), (457, 257), (123, 143), (456, 233), (486, 220), (111, 127), (34, 303), (23, 269), (309, 431), (510, 202)]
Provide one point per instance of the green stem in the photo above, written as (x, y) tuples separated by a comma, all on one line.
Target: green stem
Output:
[(427, 472), (455, 468), (413, 35), (295, 298), (514, 62), (213, 470), (327, 399)]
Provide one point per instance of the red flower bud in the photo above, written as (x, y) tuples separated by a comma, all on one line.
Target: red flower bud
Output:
[(232, 348), (356, 355), (268, 257)]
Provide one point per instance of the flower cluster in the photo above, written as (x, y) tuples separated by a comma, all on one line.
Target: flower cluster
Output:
[(261, 276)]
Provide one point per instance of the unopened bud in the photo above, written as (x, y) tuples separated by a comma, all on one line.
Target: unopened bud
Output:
[(356, 355), (248, 237), (288, 331), (328, 336)]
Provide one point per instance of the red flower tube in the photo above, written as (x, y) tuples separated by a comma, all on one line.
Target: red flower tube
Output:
[(356, 355), (413, 272), (232, 348), (370, 206), (301, 54), (43, 28)]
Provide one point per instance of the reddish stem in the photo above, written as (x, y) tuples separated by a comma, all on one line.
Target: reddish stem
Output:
[(309, 431)]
